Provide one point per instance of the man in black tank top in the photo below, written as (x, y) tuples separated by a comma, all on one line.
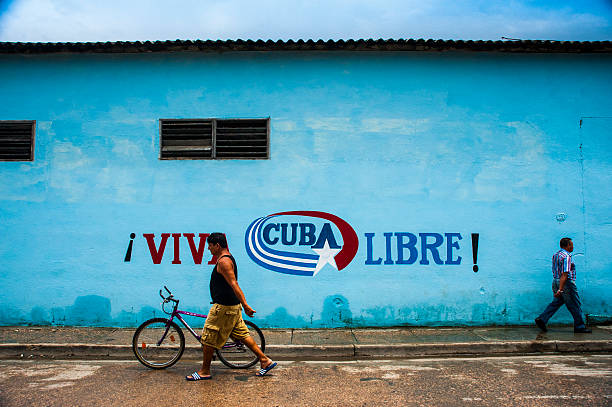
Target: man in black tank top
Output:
[(225, 316)]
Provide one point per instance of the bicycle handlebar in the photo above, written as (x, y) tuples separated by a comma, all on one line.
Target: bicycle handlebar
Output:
[(168, 298)]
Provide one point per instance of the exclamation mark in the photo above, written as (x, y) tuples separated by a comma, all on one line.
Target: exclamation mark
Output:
[(128, 254), (475, 251)]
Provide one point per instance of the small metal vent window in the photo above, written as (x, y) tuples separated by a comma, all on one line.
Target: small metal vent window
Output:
[(17, 140), (193, 139)]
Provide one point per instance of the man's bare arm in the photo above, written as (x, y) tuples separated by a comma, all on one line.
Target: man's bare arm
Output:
[(562, 281), (226, 268)]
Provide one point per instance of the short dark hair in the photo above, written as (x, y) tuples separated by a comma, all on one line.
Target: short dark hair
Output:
[(218, 238), (565, 242)]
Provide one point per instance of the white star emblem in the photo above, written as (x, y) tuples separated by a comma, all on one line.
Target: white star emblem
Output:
[(326, 255)]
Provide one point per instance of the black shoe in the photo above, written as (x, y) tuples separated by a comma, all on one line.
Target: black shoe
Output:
[(541, 324), (582, 331)]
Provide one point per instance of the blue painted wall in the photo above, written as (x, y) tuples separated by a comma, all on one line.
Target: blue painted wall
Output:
[(416, 142)]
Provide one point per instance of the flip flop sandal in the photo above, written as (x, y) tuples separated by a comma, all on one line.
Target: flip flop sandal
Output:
[(265, 370), (195, 377)]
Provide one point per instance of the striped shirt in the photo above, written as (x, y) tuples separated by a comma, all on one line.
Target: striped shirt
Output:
[(562, 262)]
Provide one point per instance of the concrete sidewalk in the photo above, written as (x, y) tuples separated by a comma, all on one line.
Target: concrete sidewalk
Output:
[(19, 342)]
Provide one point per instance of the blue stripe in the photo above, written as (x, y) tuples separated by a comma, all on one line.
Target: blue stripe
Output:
[(292, 254), (279, 269), (257, 223), (283, 253), (260, 223), (284, 262)]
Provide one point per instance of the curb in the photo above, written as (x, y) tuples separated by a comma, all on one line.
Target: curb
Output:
[(12, 351)]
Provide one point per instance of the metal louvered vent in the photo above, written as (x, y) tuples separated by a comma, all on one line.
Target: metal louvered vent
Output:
[(17, 140), (186, 139), (242, 138), (193, 139)]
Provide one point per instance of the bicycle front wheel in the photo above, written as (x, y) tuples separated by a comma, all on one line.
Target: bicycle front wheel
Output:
[(237, 355), (158, 343)]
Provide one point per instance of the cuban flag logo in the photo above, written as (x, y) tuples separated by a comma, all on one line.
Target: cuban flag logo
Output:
[(301, 242)]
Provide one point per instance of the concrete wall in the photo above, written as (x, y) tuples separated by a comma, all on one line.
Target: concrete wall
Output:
[(439, 143)]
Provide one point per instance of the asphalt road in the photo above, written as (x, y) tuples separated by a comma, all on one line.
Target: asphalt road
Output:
[(552, 380)]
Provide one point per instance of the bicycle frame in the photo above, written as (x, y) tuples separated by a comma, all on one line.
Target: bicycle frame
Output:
[(177, 313)]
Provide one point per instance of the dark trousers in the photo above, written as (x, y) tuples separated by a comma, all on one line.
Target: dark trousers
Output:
[(570, 298)]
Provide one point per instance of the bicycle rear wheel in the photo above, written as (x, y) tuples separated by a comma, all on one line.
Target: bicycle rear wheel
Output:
[(149, 352), (236, 354)]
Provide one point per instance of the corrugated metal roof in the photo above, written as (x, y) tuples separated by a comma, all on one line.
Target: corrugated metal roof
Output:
[(528, 46)]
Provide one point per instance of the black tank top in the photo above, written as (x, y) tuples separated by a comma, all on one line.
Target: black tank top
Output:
[(220, 290)]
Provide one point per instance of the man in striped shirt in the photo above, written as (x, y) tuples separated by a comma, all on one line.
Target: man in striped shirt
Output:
[(564, 288)]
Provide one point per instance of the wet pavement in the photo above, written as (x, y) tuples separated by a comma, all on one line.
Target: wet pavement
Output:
[(545, 380)]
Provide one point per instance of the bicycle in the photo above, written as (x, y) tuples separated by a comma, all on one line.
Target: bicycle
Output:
[(158, 343)]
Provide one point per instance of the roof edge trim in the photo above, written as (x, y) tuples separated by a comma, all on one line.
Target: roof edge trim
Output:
[(528, 46)]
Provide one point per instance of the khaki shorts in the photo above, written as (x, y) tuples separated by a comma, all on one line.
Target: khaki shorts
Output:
[(222, 322)]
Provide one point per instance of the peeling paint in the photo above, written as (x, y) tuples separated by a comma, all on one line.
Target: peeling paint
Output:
[(47, 376), (563, 369)]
